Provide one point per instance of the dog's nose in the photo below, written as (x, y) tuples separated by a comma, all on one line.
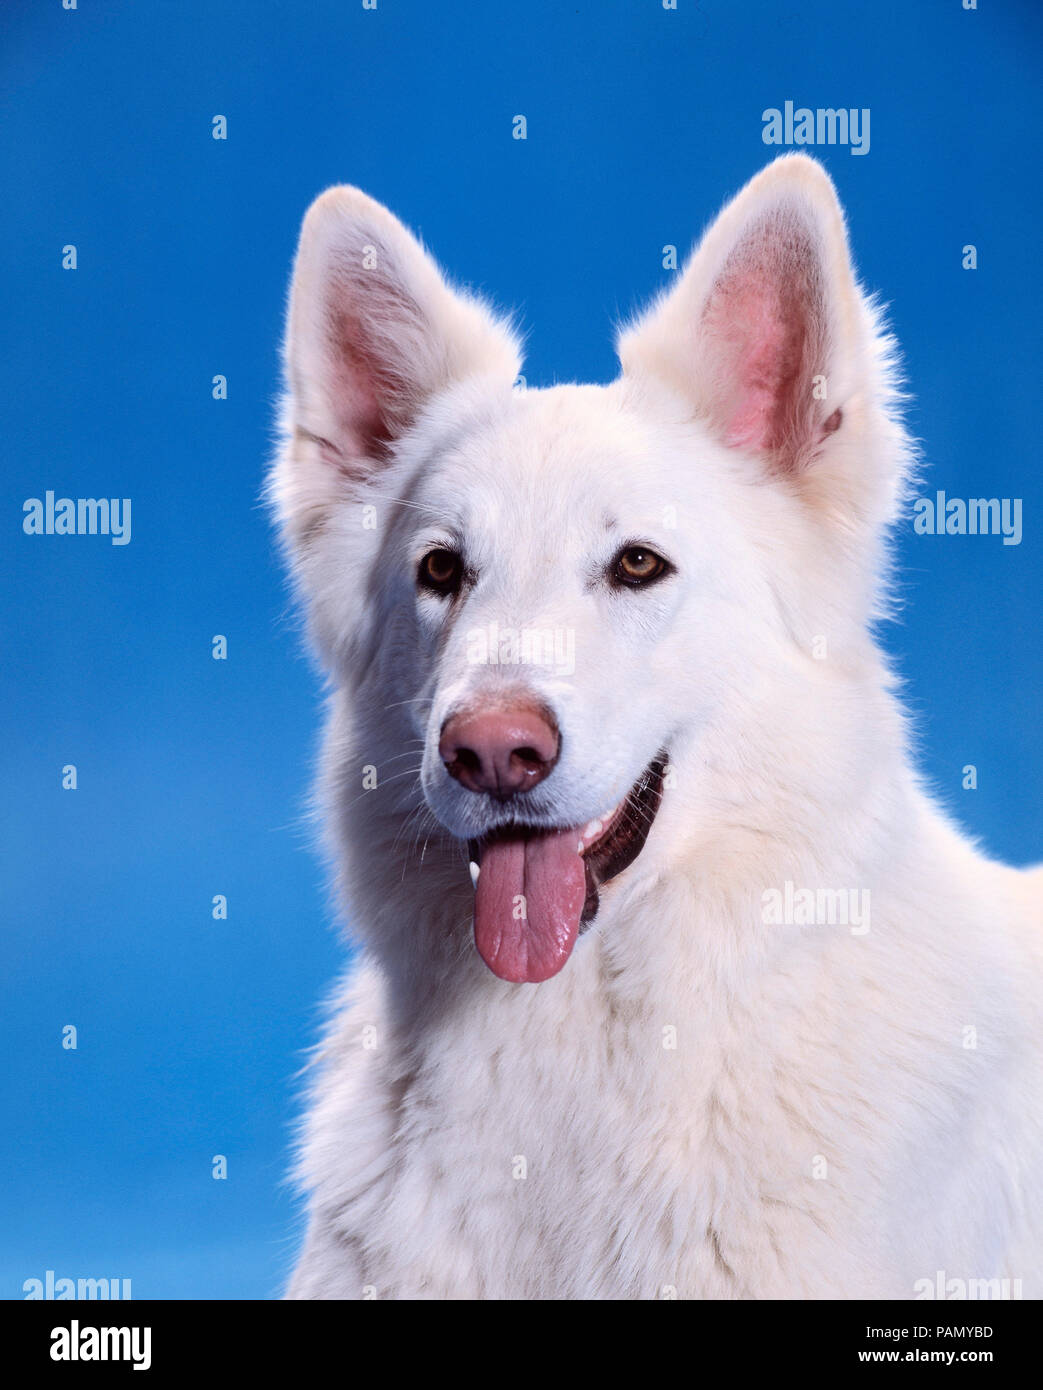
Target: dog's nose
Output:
[(502, 751)]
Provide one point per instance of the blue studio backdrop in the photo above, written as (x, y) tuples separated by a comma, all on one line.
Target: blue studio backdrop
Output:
[(144, 258)]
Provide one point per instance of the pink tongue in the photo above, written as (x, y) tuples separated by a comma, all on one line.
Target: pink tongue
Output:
[(528, 904)]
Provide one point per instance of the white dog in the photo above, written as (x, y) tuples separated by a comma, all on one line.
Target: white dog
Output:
[(725, 1007)]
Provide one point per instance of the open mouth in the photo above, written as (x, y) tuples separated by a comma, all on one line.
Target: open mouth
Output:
[(537, 889)]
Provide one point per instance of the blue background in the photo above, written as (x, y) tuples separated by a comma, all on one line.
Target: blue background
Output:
[(193, 773)]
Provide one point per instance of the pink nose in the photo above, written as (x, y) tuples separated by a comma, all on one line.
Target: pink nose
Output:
[(502, 751)]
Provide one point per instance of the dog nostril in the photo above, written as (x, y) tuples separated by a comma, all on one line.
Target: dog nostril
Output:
[(468, 759), (529, 755)]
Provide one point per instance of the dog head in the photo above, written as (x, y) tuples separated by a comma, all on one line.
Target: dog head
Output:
[(564, 600)]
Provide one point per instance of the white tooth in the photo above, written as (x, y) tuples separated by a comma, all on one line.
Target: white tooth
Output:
[(580, 847), (475, 871), (593, 830)]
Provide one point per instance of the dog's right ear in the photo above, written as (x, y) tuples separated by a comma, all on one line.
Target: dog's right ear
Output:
[(373, 332)]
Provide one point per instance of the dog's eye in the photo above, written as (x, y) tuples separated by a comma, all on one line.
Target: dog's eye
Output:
[(638, 565), (440, 571)]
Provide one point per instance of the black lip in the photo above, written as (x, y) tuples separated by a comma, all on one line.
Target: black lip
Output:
[(619, 848), (626, 839)]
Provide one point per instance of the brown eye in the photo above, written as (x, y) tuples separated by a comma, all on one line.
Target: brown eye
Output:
[(440, 571), (638, 565)]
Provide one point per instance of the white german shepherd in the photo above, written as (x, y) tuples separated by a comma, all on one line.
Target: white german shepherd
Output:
[(725, 1007)]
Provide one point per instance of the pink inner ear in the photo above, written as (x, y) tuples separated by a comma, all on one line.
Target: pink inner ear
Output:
[(766, 361), (759, 332), (361, 387), (373, 344)]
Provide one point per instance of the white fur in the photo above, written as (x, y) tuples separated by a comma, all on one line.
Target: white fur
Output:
[(821, 1129)]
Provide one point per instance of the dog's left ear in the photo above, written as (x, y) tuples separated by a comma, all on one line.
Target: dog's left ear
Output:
[(767, 335)]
